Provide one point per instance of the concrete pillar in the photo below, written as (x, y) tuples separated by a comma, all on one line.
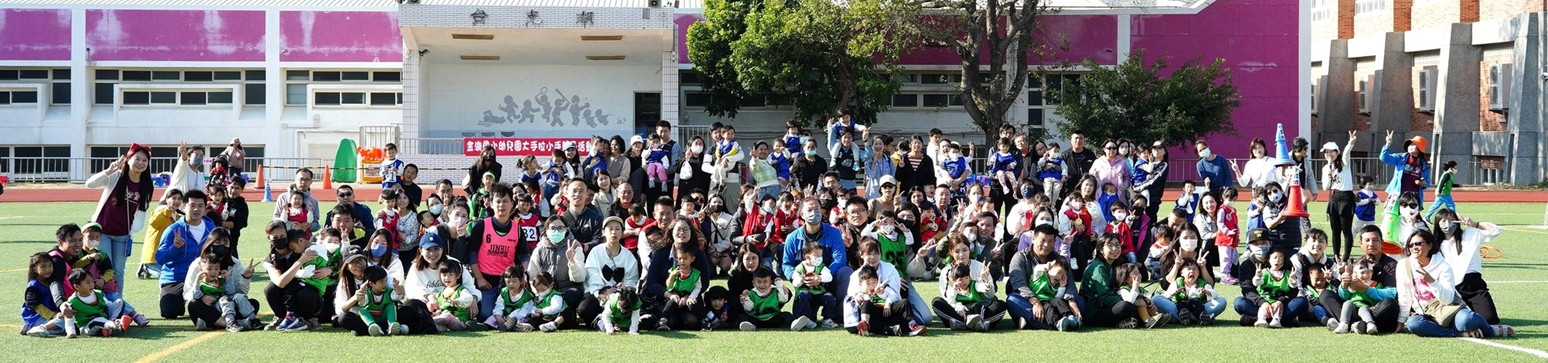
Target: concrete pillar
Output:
[(1395, 93), (82, 91), (1337, 113), (1457, 101), (1525, 121)]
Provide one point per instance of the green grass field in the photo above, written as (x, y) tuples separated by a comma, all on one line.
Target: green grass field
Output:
[(1517, 281)]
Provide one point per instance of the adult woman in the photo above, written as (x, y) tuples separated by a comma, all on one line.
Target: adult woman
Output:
[(1411, 172), (916, 170), (690, 169), (236, 155), (1312, 252), (1260, 169), (1113, 169), (1425, 284), (423, 279), (1154, 184), (1100, 288), (618, 164), (126, 193), (879, 164), (560, 255), (609, 268), (189, 173), (486, 163), (1337, 177), (1460, 249)]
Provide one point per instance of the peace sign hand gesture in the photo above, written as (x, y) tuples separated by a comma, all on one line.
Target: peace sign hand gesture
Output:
[(1389, 137), (1352, 136)]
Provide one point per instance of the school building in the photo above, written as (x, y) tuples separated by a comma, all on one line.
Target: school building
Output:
[(80, 80)]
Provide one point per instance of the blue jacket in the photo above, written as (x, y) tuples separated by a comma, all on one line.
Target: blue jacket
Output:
[(831, 240), (174, 261), (1399, 163), (1218, 171), (362, 215)]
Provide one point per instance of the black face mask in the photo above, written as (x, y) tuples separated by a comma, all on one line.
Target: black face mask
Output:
[(278, 243), (220, 250), (911, 224)]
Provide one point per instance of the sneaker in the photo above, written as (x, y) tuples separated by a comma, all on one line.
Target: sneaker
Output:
[(1501, 330), (38, 332), (523, 327), (829, 324), (510, 325), (1475, 333), (1206, 320), (1261, 323), (124, 322), (252, 323), (1370, 329), (1158, 320), (300, 325), (747, 326), (1332, 324), (1064, 324), (1276, 324), (402, 329), (549, 327), (915, 329), (864, 328), (661, 325), (274, 324), (973, 321), (233, 326), (140, 320), (200, 325), (375, 330), (1185, 317), (1344, 328), (393, 328), (811, 324), (1129, 323), (956, 325), (801, 323)]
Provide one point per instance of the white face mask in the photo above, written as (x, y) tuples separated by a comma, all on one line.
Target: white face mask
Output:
[(1410, 212), (1412, 149), (971, 235), (1189, 243), (1044, 221), (1276, 197), (973, 198), (815, 261), (696, 149), (1120, 216), (888, 228), (1204, 154)]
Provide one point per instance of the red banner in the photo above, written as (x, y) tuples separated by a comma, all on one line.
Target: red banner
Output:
[(524, 146)]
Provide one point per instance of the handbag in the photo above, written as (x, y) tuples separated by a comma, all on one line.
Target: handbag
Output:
[(1443, 313)]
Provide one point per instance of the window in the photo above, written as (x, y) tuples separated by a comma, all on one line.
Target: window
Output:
[(1369, 6), (252, 82), (905, 100), (936, 100), (297, 80), (41, 162), (18, 97), (186, 98), (57, 79), (688, 77), (696, 99), (1041, 89)]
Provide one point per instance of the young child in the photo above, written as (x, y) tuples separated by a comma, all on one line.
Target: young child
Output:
[(1055, 297), (1361, 302), (763, 302), (1228, 235), (877, 306), (1188, 201), (1106, 200), (1165, 236), (1051, 171), (1318, 278), (40, 316), (391, 167), (656, 162), (515, 303), (1128, 275), (169, 211), (622, 311), (973, 302), (1277, 287), (1365, 208), (682, 293), (218, 288), (478, 201), (93, 311), (298, 213), (376, 304), (717, 313), (454, 306), (1256, 209), (1443, 190), (1119, 224), (549, 304), (1006, 163), (1190, 292), (811, 293), (97, 264)]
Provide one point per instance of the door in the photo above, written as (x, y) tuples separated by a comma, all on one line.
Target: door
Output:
[(647, 111)]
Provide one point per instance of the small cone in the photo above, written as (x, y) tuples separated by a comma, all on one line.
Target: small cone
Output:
[(1296, 206), (267, 194), (327, 178)]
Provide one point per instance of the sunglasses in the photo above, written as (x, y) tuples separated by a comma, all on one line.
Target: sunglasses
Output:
[(1415, 244), (346, 195)]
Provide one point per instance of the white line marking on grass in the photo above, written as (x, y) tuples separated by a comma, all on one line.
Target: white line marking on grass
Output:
[(1535, 352)]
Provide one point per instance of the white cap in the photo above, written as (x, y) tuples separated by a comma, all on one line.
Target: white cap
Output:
[(1330, 146), (569, 144), (636, 139), (887, 179)]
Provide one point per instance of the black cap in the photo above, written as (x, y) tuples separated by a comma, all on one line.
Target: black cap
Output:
[(1258, 234)]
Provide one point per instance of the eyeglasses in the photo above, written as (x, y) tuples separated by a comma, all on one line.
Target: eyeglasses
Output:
[(1111, 148), (556, 229), (346, 195)]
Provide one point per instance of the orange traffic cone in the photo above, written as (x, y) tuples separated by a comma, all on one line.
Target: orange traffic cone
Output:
[(261, 182), (327, 178), (1296, 206)]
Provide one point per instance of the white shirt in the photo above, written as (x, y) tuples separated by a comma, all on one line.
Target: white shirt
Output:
[(1257, 173), (598, 260), (886, 273), (1472, 240), (1343, 180), (1412, 294), (423, 284)]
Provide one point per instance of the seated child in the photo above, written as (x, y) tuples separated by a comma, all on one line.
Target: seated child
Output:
[(972, 302), (515, 304), (1320, 279), (880, 310), (1361, 302), (682, 293), (1190, 292), (622, 311), (218, 288), (1277, 286), (40, 316), (717, 313), (98, 264), (549, 305), (376, 304), (1128, 275), (91, 311), (454, 306), (1054, 306), (763, 303), (811, 293)]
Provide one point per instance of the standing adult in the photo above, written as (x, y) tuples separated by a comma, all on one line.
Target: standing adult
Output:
[(916, 169), (582, 217), (235, 155), (879, 164), (359, 212), (189, 173), (1078, 161), (234, 217), (1112, 169), (1260, 169), (808, 168), (1411, 168), (690, 169), (411, 190), (303, 185), (474, 181), (126, 192), (1214, 170), (1340, 182)]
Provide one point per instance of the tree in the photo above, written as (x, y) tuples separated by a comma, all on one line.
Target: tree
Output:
[(992, 33), (1135, 101), (821, 56)]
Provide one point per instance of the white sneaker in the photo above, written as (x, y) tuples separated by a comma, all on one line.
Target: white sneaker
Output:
[(973, 321), (1262, 322), (200, 325), (829, 324), (549, 327), (1342, 328), (748, 326), (1370, 329), (1275, 324), (375, 330), (1333, 324), (801, 323)]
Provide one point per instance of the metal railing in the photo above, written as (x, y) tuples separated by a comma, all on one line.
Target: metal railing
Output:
[(430, 146)]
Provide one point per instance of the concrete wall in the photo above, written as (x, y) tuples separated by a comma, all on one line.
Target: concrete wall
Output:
[(479, 98), (34, 34), (175, 35), (340, 36)]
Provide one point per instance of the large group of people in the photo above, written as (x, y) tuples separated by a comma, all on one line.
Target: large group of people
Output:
[(1031, 235)]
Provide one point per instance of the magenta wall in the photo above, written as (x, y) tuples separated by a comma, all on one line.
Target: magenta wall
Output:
[(174, 35), (1258, 41), (340, 36), (683, 21), (34, 34)]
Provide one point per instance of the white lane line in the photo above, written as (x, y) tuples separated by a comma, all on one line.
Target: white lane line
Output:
[(1535, 352)]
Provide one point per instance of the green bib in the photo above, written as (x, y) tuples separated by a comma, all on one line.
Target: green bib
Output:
[(1042, 289), (85, 312), (619, 318), (1197, 283), (893, 251), (764, 307), (1363, 298), (445, 298), (820, 289), (682, 286), (217, 290), (512, 305), (972, 296), (1271, 287)]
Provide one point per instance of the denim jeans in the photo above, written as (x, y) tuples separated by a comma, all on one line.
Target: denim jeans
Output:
[(922, 314), (1466, 320), (1441, 201), (771, 191), (806, 304), (486, 301), (117, 248), (1019, 307)]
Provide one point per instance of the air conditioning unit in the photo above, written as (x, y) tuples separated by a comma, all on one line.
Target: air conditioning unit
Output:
[(1426, 90), (1499, 87)]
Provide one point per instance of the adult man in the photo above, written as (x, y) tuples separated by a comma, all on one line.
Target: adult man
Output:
[(495, 246), (1023, 302), (180, 246), (828, 237), (1384, 273), (582, 217), (1078, 160), (360, 212)]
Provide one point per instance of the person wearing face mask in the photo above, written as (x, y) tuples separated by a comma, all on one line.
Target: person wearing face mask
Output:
[(1214, 170), (830, 238), (1285, 230), (208, 313), (1408, 220), (1411, 167), (563, 257), (1020, 218), (1460, 249), (723, 227), (690, 170), (809, 168), (486, 163), (1245, 271)]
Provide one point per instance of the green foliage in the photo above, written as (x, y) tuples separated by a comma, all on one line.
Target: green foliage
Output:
[(820, 55), (1137, 101)]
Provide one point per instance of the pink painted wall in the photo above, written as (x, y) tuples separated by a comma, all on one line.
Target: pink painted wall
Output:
[(1258, 41), (175, 35), (340, 36), (34, 34), (683, 21)]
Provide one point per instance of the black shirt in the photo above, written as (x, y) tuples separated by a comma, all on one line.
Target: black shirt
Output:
[(584, 226), (808, 172), (414, 193), (236, 208)]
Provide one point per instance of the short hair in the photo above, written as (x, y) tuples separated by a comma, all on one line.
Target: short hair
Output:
[(867, 273), (500, 190), (716, 293), (1045, 229), (196, 194), (77, 276), (391, 146), (375, 273), (514, 272), (961, 271), (66, 230), (450, 266), (763, 273), (343, 210), (869, 246)]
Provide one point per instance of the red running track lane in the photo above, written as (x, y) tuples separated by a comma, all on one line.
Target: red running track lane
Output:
[(368, 193)]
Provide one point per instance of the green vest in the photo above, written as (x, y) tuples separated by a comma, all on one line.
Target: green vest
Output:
[(1271, 288), (764, 307), (376, 303), (682, 286), (894, 252), (1042, 289), (546, 300), (620, 318), (323, 283), (85, 312), (801, 270), (972, 295), (512, 305), (1197, 283), (217, 290), (1363, 298), (445, 298)]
